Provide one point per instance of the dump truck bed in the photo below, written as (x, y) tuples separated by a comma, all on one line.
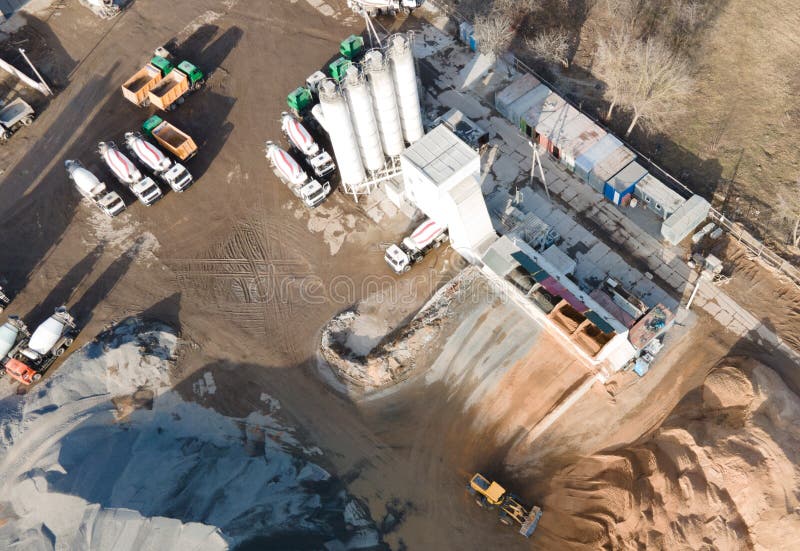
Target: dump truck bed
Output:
[(137, 87), (167, 92), (175, 141)]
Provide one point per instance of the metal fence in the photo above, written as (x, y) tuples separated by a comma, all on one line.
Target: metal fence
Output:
[(753, 245)]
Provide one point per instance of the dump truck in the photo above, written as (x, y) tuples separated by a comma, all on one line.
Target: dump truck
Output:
[(319, 160), (383, 7), (143, 187), (93, 189), (13, 335), (413, 248), (491, 495), (47, 343), (311, 192), (13, 115), (162, 83), (174, 175), (137, 87), (180, 144)]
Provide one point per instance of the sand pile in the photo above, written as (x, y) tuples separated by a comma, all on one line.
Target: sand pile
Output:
[(721, 473)]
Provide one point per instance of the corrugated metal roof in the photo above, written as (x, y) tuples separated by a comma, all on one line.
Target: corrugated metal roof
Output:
[(615, 161), (685, 219), (530, 100), (440, 154), (579, 135), (627, 177), (550, 115), (518, 88), (660, 193), (602, 149)]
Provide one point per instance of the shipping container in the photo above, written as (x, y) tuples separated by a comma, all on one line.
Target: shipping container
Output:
[(619, 188), (579, 135), (511, 93), (685, 219), (601, 162), (522, 105), (599, 151), (658, 197)]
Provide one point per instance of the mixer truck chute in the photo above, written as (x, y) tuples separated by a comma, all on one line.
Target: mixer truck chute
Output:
[(93, 189), (126, 172), (173, 174), (311, 192), (45, 345), (413, 248)]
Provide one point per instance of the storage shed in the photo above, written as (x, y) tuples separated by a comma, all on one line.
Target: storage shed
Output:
[(585, 162), (685, 219), (532, 99), (658, 197), (619, 188), (601, 162), (511, 93)]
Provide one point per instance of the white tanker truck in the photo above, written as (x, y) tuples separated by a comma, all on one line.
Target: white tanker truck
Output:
[(144, 188), (413, 248), (173, 174), (318, 159), (93, 189), (42, 349)]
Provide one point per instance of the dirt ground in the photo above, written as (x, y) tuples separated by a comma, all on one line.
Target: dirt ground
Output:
[(250, 277)]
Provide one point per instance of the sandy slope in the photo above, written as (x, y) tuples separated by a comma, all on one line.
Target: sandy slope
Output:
[(105, 456), (721, 473)]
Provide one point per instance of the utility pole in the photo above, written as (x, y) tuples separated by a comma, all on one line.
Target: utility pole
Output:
[(47, 89), (536, 160)]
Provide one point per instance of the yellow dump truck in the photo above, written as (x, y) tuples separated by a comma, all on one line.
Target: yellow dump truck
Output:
[(174, 140), (137, 87), (491, 495), (168, 93)]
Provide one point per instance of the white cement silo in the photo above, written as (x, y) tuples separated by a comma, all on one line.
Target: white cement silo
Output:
[(384, 101), (343, 138), (356, 90), (405, 83)]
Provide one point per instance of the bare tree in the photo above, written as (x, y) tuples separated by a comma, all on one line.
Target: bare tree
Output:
[(493, 32), (660, 81), (613, 63), (551, 46)]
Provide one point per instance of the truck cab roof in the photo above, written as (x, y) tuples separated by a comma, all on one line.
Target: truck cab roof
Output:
[(112, 203), (20, 371), (396, 258), (147, 189)]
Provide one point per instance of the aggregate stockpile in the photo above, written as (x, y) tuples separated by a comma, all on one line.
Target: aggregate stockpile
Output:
[(311, 192), (106, 455), (173, 174), (126, 172), (93, 189), (723, 472), (33, 356)]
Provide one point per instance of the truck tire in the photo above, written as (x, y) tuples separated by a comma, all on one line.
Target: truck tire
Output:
[(27, 121), (36, 377), (58, 352), (68, 342)]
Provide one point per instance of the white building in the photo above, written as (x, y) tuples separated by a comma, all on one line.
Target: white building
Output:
[(441, 178)]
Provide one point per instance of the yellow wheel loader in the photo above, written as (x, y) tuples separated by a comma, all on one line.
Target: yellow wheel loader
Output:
[(511, 511)]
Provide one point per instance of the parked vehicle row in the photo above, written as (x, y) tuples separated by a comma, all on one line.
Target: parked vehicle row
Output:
[(144, 187), (163, 82), (312, 191), (26, 356)]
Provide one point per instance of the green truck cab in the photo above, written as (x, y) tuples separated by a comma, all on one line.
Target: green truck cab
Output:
[(193, 73)]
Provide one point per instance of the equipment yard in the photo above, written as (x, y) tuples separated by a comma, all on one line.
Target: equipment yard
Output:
[(278, 334)]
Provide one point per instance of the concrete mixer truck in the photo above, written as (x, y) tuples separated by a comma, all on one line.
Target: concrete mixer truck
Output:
[(413, 248), (93, 189), (143, 187), (311, 192), (173, 174), (318, 159), (47, 343), (14, 335)]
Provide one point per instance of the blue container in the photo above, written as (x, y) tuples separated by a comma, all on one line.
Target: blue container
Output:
[(623, 183)]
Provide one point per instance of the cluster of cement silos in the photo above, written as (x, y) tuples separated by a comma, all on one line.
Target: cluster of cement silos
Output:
[(373, 113)]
